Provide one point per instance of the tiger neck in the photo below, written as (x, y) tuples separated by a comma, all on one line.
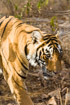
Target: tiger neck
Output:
[(21, 50), (31, 55)]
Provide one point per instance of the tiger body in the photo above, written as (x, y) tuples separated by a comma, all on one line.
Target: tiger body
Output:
[(21, 44)]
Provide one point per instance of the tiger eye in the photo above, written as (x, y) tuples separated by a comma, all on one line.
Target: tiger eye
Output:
[(45, 57), (48, 55)]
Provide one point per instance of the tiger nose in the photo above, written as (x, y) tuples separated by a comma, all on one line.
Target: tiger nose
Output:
[(53, 71), (56, 72)]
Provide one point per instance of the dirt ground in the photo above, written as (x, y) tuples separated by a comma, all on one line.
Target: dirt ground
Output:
[(43, 92)]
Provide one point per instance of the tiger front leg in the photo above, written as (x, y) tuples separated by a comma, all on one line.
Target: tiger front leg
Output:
[(21, 95), (17, 87)]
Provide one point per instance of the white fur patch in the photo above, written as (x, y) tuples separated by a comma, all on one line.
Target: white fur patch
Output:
[(49, 49), (32, 62), (59, 48), (31, 59), (46, 77), (0, 71), (37, 35)]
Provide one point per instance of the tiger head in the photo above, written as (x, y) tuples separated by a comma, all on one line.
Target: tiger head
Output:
[(45, 51)]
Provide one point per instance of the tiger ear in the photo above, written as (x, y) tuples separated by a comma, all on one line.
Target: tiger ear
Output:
[(36, 37), (57, 34)]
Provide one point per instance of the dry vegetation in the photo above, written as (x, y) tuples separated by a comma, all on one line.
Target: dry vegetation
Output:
[(34, 8)]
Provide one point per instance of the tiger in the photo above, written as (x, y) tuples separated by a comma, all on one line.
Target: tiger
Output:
[(22, 44)]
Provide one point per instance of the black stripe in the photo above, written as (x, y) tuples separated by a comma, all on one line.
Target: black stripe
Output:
[(1, 22), (42, 61), (56, 44), (37, 62), (5, 27), (49, 39), (16, 21), (36, 55), (53, 39), (39, 54), (19, 74), (53, 44), (45, 38), (50, 44), (7, 16), (25, 49), (43, 50), (19, 24), (18, 84), (25, 32), (40, 46), (21, 31), (22, 64), (44, 44)]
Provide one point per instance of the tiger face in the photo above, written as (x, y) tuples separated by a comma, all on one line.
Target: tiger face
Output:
[(45, 51)]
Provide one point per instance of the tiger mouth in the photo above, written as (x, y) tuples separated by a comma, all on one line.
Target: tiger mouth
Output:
[(45, 71), (48, 73)]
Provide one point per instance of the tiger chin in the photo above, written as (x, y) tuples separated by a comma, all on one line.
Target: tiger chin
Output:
[(20, 45)]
